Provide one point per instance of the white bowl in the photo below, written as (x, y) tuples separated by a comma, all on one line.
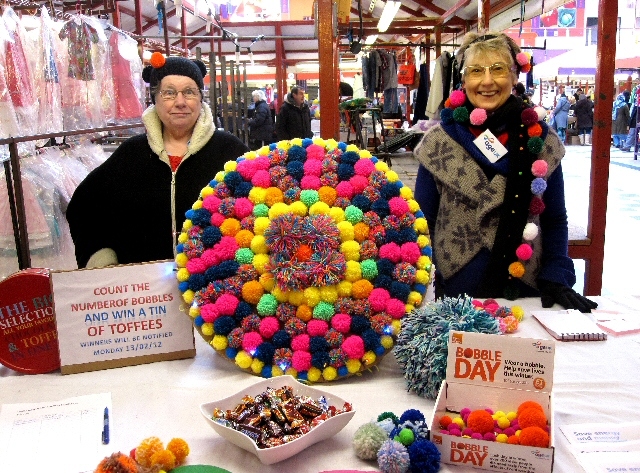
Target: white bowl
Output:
[(323, 431)]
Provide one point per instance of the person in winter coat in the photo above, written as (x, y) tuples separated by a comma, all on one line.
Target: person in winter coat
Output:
[(619, 121), (260, 126), (130, 209), (561, 116), (584, 119), (630, 142), (294, 118)]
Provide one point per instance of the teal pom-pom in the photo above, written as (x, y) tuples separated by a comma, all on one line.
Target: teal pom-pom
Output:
[(369, 269), (388, 415), (323, 311), (422, 344), (261, 210), (368, 439), (393, 457), (353, 214), (267, 305), (309, 197), (461, 115), (244, 256), (535, 144)]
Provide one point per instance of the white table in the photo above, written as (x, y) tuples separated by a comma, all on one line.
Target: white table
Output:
[(594, 382)]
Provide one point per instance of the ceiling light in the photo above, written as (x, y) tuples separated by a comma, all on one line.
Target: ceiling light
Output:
[(371, 39), (388, 13)]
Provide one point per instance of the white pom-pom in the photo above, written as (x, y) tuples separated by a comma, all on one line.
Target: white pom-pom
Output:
[(387, 425), (530, 231), (542, 113)]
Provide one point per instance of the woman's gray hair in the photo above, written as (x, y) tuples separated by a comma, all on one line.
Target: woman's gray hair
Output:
[(260, 94)]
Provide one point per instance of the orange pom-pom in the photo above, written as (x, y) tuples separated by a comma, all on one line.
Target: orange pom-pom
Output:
[(513, 440), (534, 437), (243, 238), (532, 416), (516, 269), (534, 130), (526, 68), (445, 421), (361, 289), (165, 459), (273, 195), (230, 227), (480, 421), (304, 313), (327, 195), (527, 405), (179, 448), (304, 253), (360, 232), (157, 60), (252, 291), (447, 103), (147, 448)]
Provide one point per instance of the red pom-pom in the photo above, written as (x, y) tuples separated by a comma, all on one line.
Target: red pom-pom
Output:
[(529, 116), (534, 437), (157, 60), (513, 440), (445, 421), (526, 68), (524, 252), (537, 206), (534, 130), (480, 421)]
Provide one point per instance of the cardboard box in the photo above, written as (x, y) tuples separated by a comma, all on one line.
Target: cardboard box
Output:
[(498, 372)]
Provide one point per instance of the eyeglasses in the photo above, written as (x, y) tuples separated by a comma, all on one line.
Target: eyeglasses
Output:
[(188, 94), (476, 72)]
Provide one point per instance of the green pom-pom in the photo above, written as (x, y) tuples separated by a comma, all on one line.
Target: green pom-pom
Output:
[(267, 305), (353, 214), (405, 437), (309, 197), (244, 256), (461, 115), (388, 415), (261, 210), (511, 293), (323, 311), (535, 144), (367, 441), (369, 269)]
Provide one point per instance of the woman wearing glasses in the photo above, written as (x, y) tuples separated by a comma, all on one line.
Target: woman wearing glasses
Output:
[(491, 188), (130, 209)]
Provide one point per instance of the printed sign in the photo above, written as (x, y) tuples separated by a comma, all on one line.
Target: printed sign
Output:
[(120, 316)]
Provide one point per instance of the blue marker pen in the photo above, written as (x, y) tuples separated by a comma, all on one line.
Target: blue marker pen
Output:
[(105, 426)]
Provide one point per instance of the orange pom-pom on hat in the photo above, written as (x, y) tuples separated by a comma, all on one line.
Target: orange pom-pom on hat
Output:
[(157, 60)]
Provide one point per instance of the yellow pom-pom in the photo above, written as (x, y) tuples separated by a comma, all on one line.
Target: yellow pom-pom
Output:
[(516, 269), (298, 208), (408, 308), (292, 372), (179, 448), (353, 366), (459, 422), (382, 166), (337, 214), (187, 224), (276, 371), (273, 196), (257, 365), (518, 312), (413, 205), (267, 281), (182, 275), (497, 414), (230, 227), (395, 326), (386, 341), (423, 241), (351, 250), (219, 176), (406, 193), (206, 191), (392, 176), (422, 276), (207, 329), (312, 296), (502, 438), (352, 147), (194, 311), (250, 155), (503, 422), (414, 298), (304, 313), (424, 262), (511, 415), (230, 166), (344, 288), (296, 298), (197, 204), (353, 271), (296, 142), (319, 208), (330, 144), (283, 144), (147, 448), (183, 237), (219, 342), (346, 231), (259, 245), (260, 225), (329, 294), (252, 291), (243, 238), (314, 374), (369, 358), (319, 141), (257, 195), (280, 295), (365, 154), (188, 296), (165, 459), (260, 262), (264, 151), (243, 359), (329, 373), (181, 260), (279, 208), (420, 225)]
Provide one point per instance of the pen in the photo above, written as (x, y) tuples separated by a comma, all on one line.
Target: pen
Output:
[(105, 427)]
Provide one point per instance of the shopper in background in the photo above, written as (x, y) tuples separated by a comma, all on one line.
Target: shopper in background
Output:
[(584, 119), (260, 126), (632, 136), (294, 118), (129, 209), (619, 121), (561, 116), (577, 94), (496, 231)]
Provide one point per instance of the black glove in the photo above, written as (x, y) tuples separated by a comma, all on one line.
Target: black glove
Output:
[(552, 292)]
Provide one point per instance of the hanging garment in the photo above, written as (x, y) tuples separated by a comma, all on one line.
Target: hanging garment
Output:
[(420, 105), (8, 119), (80, 35), (128, 104), (47, 81)]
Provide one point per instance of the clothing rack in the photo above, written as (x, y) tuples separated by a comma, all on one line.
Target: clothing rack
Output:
[(13, 176)]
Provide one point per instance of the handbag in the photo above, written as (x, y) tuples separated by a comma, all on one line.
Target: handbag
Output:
[(406, 73)]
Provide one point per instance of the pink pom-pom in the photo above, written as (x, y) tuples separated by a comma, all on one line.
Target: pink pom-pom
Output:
[(217, 219), (478, 116), (491, 307), (522, 59), (247, 169), (196, 266), (301, 360), (524, 252), (251, 341), (391, 251), (539, 168), (243, 207), (455, 432), (353, 346), (342, 322), (261, 179), (457, 98), (263, 163), (211, 203), (315, 152), (398, 206), (378, 299), (364, 167), (489, 437), (227, 304), (269, 326), (359, 183), (209, 313), (529, 116), (344, 189), (310, 183), (226, 248), (317, 328), (476, 436), (410, 252), (210, 257), (477, 304), (313, 167), (300, 342), (395, 308)]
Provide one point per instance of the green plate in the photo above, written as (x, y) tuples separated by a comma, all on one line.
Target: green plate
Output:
[(199, 469)]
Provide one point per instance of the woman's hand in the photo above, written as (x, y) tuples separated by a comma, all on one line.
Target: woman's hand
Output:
[(552, 293)]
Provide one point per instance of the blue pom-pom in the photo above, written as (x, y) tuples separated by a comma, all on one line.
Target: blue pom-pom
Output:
[(239, 159), (350, 157), (272, 146), (189, 214), (383, 281), (232, 179), (400, 290), (393, 457), (345, 171), (224, 325), (317, 344), (424, 457), (407, 235), (374, 159), (538, 186), (379, 351), (295, 169), (399, 184), (197, 282), (393, 236), (302, 375), (419, 214), (389, 190), (307, 142), (210, 236), (385, 266), (362, 202), (371, 340), (420, 288), (231, 352), (213, 183), (281, 339), (179, 248), (201, 217), (412, 415), (320, 359), (266, 372), (265, 352), (359, 324), (243, 309), (395, 432), (198, 321), (183, 286), (343, 371), (342, 146), (242, 189), (427, 251), (381, 208), (446, 116), (224, 270), (297, 153)]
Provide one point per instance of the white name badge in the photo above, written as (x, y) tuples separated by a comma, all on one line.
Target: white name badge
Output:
[(490, 146)]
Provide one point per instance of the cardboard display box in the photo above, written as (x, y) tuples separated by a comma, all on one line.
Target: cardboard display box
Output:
[(498, 372)]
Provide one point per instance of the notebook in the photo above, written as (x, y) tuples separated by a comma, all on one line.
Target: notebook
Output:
[(569, 325)]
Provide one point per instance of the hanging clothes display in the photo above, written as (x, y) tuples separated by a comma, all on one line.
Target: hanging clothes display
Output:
[(47, 77), (126, 68), (8, 119)]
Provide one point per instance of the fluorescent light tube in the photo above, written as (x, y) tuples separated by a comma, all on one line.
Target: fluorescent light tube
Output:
[(388, 14)]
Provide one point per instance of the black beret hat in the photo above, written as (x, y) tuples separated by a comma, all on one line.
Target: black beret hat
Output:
[(174, 65)]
